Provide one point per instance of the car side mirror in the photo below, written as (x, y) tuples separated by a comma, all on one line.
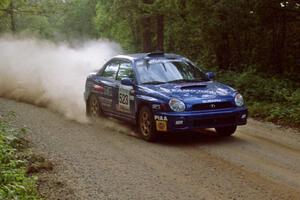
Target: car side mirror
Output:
[(210, 75), (127, 81)]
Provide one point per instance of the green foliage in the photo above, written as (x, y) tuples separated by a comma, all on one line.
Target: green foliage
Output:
[(259, 87), (227, 34), (38, 26), (119, 21), (122, 20), (275, 99), (14, 184), (55, 20), (76, 21)]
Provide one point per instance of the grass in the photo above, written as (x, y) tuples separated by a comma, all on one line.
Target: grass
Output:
[(14, 181), (274, 99)]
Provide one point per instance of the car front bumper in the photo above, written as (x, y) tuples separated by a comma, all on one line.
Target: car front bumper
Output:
[(187, 121)]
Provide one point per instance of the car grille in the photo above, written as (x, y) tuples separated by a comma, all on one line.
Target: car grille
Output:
[(214, 121), (212, 106)]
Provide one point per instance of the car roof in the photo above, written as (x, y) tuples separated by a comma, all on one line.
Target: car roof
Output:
[(140, 56)]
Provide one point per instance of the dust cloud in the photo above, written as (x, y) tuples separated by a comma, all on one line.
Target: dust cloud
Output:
[(50, 74)]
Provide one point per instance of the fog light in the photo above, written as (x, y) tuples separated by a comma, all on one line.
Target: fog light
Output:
[(179, 122), (244, 116)]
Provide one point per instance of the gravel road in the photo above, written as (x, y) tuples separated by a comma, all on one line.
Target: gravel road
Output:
[(105, 161)]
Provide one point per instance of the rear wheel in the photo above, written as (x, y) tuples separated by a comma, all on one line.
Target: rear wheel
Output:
[(93, 106), (146, 124), (226, 130)]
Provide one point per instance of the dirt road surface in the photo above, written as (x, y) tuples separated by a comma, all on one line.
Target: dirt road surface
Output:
[(104, 161)]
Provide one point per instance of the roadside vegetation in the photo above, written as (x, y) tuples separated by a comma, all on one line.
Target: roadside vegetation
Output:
[(275, 98), (255, 44), (14, 181)]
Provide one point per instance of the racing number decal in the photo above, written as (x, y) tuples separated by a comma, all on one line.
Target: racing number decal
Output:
[(124, 98)]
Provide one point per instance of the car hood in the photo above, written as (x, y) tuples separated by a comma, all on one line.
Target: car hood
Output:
[(204, 92)]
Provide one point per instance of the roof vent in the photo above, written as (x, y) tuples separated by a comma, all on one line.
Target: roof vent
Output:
[(154, 54)]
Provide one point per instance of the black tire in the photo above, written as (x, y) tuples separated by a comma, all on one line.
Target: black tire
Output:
[(226, 130), (93, 108), (146, 126)]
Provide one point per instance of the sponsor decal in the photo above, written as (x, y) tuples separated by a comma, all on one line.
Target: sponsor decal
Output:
[(208, 96), (161, 126), (141, 62), (179, 122), (160, 118), (222, 92), (191, 91), (212, 105), (211, 100), (159, 60), (107, 91), (165, 90), (207, 93), (155, 61)]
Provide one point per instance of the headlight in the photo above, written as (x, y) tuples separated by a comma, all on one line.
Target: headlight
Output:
[(238, 99), (176, 105)]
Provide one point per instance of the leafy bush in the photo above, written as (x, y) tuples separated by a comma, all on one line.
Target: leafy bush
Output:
[(270, 98), (14, 184)]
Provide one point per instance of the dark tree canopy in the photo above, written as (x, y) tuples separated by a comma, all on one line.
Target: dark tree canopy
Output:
[(216, 33)]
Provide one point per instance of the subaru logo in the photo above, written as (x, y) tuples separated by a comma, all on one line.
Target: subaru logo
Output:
[(212, 105)]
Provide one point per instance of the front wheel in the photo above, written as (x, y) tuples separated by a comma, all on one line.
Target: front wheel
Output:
[(146, 124), (226, 130)]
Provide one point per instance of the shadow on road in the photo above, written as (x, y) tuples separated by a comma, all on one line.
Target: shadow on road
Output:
[(199, 137), (202, 137)]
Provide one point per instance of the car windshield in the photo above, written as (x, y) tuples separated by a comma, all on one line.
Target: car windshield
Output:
[(168, 71)]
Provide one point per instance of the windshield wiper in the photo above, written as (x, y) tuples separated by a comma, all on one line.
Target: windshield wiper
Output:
[(186, 80), (154, 82)]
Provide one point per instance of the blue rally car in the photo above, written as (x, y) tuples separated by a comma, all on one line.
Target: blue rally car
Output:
[(162, 92)]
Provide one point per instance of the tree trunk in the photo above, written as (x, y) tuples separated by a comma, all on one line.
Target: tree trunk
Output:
[(147, 47), (223, 53), (12, 17), (183, 14), (282, 44), (160, 32), (146, 26)]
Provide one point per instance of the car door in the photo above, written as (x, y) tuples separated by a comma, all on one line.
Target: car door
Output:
[(125, 106), (106, 81)]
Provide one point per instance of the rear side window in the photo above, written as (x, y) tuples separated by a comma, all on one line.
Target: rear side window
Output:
[(125, 71), (111, 70)]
